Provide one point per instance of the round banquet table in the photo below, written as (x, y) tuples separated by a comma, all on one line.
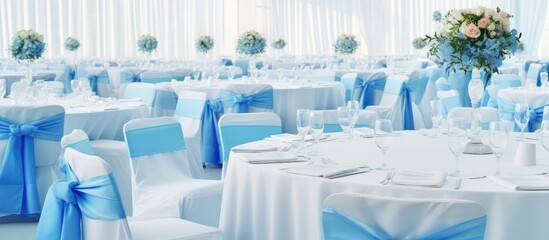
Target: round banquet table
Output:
[(287, 97), (100, 120), (261, 201)]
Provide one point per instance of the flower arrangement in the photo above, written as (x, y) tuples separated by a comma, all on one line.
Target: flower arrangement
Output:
[(251, 43), (204, 44), (147, 43), (418, 43), (27, 45), (437, 16), (346, 44), (279, 44), (474, 38), (72, 44), (520, 47)]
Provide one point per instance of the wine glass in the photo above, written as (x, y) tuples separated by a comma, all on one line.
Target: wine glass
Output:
[(436, 115), (317, 128), (196, 73), (522, 116), (457, 140), (303, 127), (354, 110), (2, 87), (383, 138), (498, 141), (544, 134), (75, 85), (344, 118)]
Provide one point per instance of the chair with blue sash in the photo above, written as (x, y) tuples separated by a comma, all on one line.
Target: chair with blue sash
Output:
[(162, 183), (532, 77), (165, 100), (363, 216), (180, 73), (459, 81), (373, 84), (86, 205), (126, 76), (442, 84), (29, 146), (487, 115), (506, 109), (156, 77), (366, 119), (353, 86), (138, 90), (98, 79), (66, 77), (450, 99), (397, 103), (492, 92), (240, 128), (499, 81), (244, 98), (432, 74), (189, 112)]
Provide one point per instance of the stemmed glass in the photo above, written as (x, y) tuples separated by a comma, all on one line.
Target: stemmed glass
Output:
[(75, 85), (498, 141), (457, 140), (383, 138), (196, 73), (2, 87), (354, 110), (303, 127), (317, 128), (522, 116), (436, 115), (344, 118)]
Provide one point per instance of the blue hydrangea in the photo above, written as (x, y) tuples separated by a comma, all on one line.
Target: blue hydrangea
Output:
[(437, 16), (279, 43), (418, 43), (71, 44), (204, 44), (27, 45), (346, 44), (251, 43), (147, 43)]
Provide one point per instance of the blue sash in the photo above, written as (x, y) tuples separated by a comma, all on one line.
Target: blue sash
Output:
[(241, 102), (336, 225), (507, 112), (101, 77), (155, 140), (210, 139), (128, 77), (368, 92), (18, 189), (405, 91), (232, 135), (449, 103), (443, 87), (68, 200)]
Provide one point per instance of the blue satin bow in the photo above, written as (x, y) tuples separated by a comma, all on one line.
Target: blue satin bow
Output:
[(507, 112), (240, 102), (210, 139), (405, 91), (367, 95), (18, 189), (101, 77), (68, 200), (128, 77), (336, 225)]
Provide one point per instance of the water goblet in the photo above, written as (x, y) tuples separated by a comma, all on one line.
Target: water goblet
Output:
[(317, 128), (75, 85), (344, 118), (303, 127), (436, 115), (498, 141), (354, 111), (522, 116), (457, 141), (383, 137)]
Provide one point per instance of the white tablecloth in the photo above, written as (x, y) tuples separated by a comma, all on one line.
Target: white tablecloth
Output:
[(14, 76), (263, 202), (288, 97)]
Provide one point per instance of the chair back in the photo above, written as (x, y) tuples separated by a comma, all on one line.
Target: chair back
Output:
[(373, 84), (450, 99), (366, 118), (189, 111), (155, 77), (506, 80), (362, 216), (487, 115), (353, 86), (443, 85), (244, 98), (533, 74), (144, 91), (392, 89), (77, 140), (240, 128), (165, 100), (29, 146), (129, 75), (86, 204), (98, 79)]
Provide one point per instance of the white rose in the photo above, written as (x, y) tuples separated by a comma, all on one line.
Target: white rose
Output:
[(470, 30), (491, 27), (493, 34), (480, 10), (23, 34), (489, 12), (506, 26), (457, 14)]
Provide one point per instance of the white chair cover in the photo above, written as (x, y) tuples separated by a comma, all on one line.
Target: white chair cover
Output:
[(165, 100), (155, 77), (144, 91), (401, 218), (433, 74), (104, 88), (533, 74), (353, 86), (450, 99), (161, 178)]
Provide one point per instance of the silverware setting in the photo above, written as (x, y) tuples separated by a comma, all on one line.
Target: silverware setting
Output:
[(388, 177)]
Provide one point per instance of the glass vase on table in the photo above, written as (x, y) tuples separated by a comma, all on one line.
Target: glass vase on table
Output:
[(476, 91)]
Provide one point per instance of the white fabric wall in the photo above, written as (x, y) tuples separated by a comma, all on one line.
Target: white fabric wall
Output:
[(110, 28)]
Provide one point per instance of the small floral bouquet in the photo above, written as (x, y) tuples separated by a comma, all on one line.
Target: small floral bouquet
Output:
[(27, 45), (72, 44), (474, 38), (279, 44), (346, 44), (437, 16), (251, 43), (418, 43), (147, 43), (204, 44)]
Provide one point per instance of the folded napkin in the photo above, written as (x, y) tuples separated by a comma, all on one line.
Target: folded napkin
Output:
[(325, 171), (135, 99), (289, 138), (522, 183), (403, 177), (270, 157), (255, 147)]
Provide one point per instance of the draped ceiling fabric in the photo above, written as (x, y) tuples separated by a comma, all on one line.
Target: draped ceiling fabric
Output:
[(111, 28)]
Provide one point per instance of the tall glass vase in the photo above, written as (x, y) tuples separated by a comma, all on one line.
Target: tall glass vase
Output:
[(29, 72)]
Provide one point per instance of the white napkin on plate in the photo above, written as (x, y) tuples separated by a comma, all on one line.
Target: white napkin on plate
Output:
[(404, 177), (522, 183), (255, 147), (270, 157), (323, 170)]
